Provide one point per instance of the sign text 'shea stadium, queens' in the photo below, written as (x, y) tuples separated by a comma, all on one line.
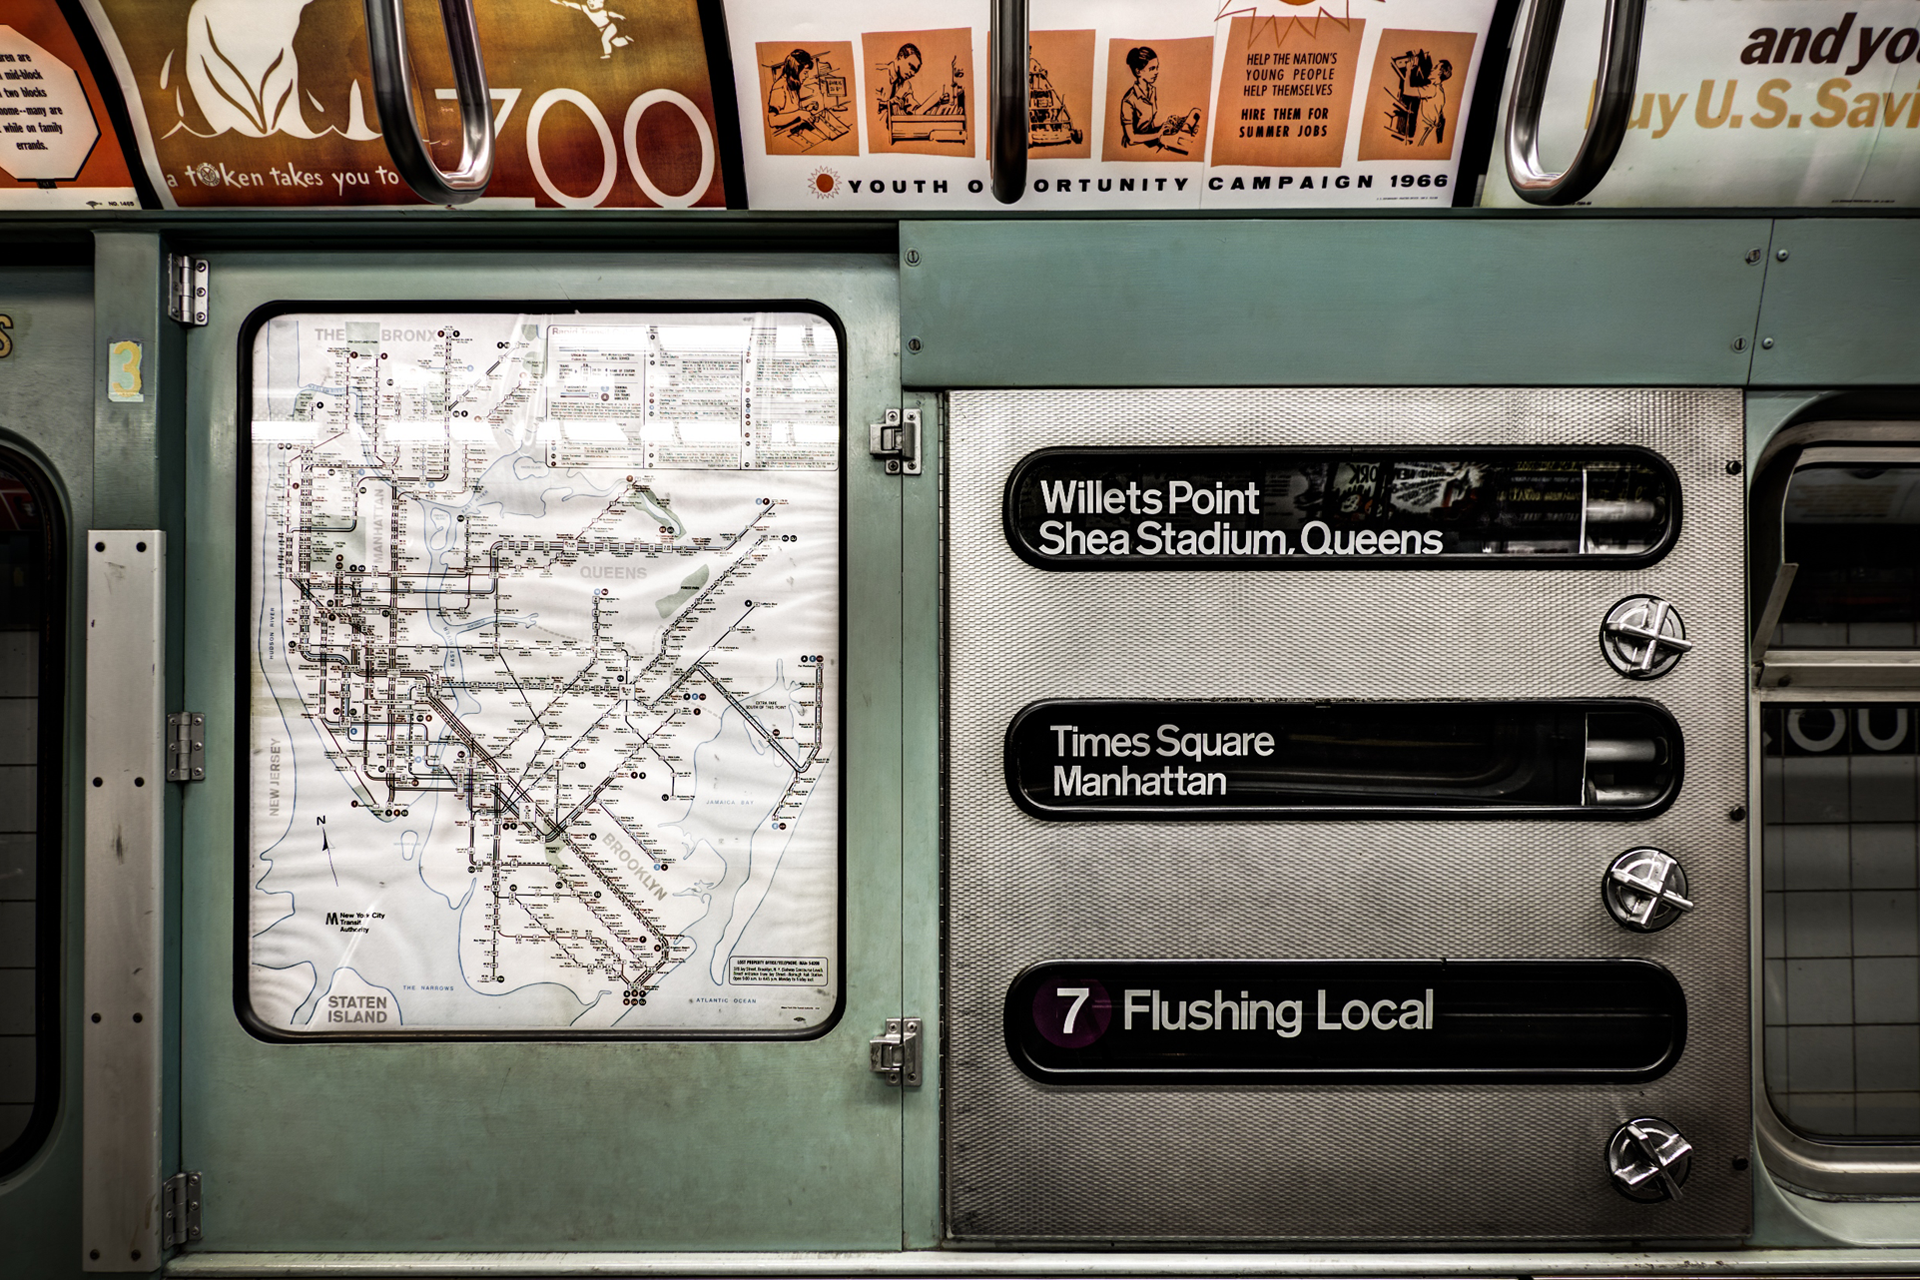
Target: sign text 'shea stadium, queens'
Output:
[(1220, 537)]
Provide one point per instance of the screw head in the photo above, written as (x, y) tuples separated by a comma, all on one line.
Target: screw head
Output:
[(1739, 344), (913, 345), (1779, 255), (1753, 256), (913, 257)]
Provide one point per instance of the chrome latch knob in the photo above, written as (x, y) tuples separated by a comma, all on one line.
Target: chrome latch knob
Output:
[(1646, 890), (1649, 1160), (1643, 637)]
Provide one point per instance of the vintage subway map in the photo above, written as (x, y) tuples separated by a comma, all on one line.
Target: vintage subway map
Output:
[(544, 647)]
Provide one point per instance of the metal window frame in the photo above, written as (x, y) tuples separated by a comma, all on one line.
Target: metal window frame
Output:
[(639, 312), (1823, 1170)]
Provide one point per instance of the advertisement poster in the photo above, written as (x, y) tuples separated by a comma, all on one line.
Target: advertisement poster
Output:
[(270, 102), (1799, 102), (58, 149), (1131, 105), (1364, 107)]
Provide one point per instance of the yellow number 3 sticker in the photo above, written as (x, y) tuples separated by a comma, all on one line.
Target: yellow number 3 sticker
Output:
[(123, 373)]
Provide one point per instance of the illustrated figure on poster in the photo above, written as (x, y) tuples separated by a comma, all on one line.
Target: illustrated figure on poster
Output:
[(1048, 122), (916, 116), (806, 100), (1141, 124), (1419, 111), (606, 20)]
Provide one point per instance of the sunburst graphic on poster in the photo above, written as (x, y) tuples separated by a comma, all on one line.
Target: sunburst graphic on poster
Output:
[(825, 182)]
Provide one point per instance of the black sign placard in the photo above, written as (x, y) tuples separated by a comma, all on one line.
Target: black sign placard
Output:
[(1358, 508), (1222, 1022), (1107, 759)]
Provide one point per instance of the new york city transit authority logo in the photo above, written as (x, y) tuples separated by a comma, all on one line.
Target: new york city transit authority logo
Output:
[(1073, 1014)]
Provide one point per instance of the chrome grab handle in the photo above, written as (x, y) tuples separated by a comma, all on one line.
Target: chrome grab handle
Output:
[(393, 89), (1619, 75), (1007, 157)]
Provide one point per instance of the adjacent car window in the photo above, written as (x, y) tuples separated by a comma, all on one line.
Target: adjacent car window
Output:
[(1853, 530), (31, 579)]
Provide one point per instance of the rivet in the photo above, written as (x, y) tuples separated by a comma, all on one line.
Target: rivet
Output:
[(1780, 255), (1766, 344), (1733, 468), (1737, 813)]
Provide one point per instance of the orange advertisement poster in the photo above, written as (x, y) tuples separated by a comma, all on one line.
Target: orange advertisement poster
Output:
[(1060, 95), (921, 95), (1416, 96), (1156, 99), (55, 135), (1286, 91), (806, 104), (270, 102)]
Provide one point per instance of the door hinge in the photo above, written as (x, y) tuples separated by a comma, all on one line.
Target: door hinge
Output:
[(180, 1210), (187, 289), (186, 747), (898, 441), (895, 1056)]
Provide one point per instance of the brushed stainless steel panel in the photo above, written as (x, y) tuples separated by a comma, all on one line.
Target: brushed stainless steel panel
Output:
[(1027, 1162), (125, 850)]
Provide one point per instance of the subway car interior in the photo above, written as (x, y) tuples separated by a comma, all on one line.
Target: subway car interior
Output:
[(1335, 625)]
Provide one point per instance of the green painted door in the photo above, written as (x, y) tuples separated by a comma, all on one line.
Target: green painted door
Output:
[(543, 1132)]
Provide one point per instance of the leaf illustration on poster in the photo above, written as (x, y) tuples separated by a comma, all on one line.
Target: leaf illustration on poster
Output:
[(268, 102), (242, 67)]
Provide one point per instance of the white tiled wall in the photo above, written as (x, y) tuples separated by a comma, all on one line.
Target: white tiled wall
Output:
[(1841, 934)]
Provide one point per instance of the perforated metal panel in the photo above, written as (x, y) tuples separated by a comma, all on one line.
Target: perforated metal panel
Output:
[(1361, 1163)]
